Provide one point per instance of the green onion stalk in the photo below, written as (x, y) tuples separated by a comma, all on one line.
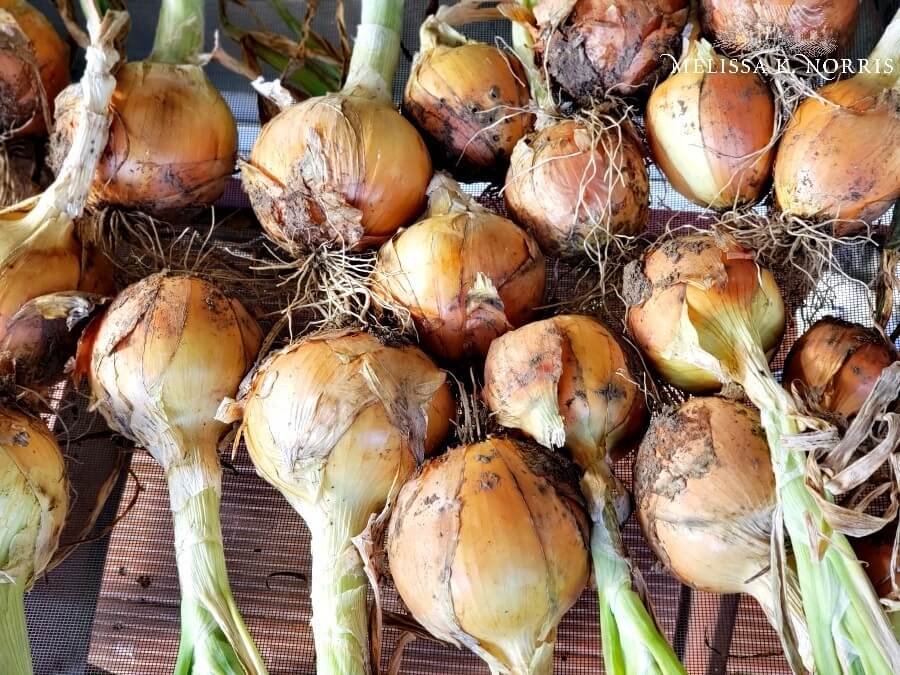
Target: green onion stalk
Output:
[(704, 311)]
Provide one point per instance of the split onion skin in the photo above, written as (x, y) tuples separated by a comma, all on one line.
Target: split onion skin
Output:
[(556, 187), (594, 47), (837, 363), (487, 547)]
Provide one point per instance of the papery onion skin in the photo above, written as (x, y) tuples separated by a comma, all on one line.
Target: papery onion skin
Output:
[(557, 187), (595, 47), (487, 546), (836, 365), (709, 129)]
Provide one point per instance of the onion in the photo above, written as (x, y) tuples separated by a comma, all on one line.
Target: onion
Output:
[(876, 551), (337, 422), (34, 500), (839, 157), (467, 98), (465, 274), (837, 363), (149, 366), (488, 549), (596, 47), (32, 57), (811, 28), (345, 168), (710, 126)]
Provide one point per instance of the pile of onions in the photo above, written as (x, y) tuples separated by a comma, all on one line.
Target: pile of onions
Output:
[(173, 139), (839, 157), (465, 274), (836, 364), (710, 126), (34, 501), (467, 98), (567, 381), (812, 28), (338, 422), (592, 48), (148, 362), (705, 497), (34, 68), (488, 549), (703, 311), (343, 169)]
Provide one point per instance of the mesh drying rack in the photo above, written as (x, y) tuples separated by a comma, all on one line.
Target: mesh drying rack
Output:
[(112, 606)]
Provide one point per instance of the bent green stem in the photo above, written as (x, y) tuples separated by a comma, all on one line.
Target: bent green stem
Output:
[(15, 653), (179, 32)]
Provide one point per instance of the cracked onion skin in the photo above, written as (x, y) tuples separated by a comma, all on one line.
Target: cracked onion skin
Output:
[(592, 48), (487, 547), (837, 363)]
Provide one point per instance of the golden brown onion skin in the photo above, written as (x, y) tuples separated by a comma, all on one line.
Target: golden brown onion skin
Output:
[(842, 160), (813, 28), (468, 102), (837, 363), (172, 140), (337, 169), (20, 105), (556, 187), (594, 47), (488, 548)]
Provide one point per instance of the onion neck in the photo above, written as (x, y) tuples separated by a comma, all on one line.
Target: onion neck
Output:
[(376, 51), (15, 653), (523, 46), (179, 32), (887, 51), (762, 591)]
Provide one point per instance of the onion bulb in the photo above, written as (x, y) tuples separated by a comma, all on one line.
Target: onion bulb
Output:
[(465, 274), (709, 126), (876, 551), (812, 28), (837, 364), (32, 57), (596, 47), (467, 98), (34, 501), (338, 422), (570, 184), (488, 549), (148, 361), (839, 157), (343, 169), (568, 381)]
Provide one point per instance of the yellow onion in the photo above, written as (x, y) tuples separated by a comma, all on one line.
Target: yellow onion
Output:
[(34, 501), (488, 549), (159, 362), (812, 28), (32, 56), (709, 126), (839, 157), (837, 363), (338, 422), (876, 551), (567, 185), (465, 274), (594, 47), (467, 98), (344, 169)]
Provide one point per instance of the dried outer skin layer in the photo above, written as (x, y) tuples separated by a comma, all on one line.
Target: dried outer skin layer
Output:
[(337, 169), (465, 278), (812, 28), (172, 140), (837, 363), (570, 367), (488, 549), (21, 110), (595, 47), (689, 297), (827, 164), (709, 129), (469, 102), (705, 493), (564, 189)]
